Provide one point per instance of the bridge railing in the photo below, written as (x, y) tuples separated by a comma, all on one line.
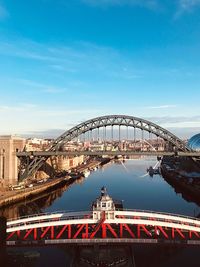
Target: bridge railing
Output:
[(127, 213), (81, 211), (35, 215), (49, 218), (160, 215)]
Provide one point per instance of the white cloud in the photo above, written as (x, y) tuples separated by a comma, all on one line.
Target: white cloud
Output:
[(177, 121), (3, 12), (31, 117), (53, 90), (181, 6), (185, 6), (78, 57), (43, 87), (106, 3), (61, 68), (26, 49), (188, 5), (161, 107), (184, 127), (18, 108)]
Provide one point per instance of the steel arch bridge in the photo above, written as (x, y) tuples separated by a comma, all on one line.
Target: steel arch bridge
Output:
[(36, 162), (120, 120)]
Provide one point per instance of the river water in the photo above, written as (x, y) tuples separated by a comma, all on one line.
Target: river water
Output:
[(125, 181)]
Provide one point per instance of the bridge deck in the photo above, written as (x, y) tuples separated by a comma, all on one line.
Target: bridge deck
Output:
[(109, 153), (80, 220)]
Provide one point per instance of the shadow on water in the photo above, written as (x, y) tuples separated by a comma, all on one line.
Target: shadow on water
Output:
[(122, 256), (38, 203), (185, 190)]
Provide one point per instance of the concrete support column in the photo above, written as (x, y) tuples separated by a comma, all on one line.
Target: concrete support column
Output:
[(8, 160)]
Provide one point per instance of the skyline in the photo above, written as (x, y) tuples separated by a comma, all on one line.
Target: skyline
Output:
[(63, 62)]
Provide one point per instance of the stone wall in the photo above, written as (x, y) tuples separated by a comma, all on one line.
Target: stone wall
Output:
[(9, 163)]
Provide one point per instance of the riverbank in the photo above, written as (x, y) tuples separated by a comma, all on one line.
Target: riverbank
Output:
[(12, 197)]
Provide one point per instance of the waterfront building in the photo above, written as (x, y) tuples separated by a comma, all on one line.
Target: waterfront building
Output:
[(66, 163), (37, 144)]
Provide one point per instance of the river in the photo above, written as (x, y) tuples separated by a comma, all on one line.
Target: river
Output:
[(125, 181)]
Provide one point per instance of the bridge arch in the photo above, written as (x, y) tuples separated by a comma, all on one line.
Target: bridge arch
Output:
[(31, 165), (120, 120)]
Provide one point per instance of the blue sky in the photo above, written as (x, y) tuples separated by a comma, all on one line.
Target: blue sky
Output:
[(65, 61)]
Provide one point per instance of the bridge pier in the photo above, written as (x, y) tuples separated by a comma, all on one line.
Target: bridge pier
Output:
[(9, 146)]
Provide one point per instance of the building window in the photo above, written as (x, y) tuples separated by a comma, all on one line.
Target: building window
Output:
[(103, 204)]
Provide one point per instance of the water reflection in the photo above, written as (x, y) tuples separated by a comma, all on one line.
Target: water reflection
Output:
[(106, 256), (126, 182), (183, 189), (39, 203)]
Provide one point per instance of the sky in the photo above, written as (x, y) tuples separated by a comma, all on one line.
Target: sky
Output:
[(65, 61)]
